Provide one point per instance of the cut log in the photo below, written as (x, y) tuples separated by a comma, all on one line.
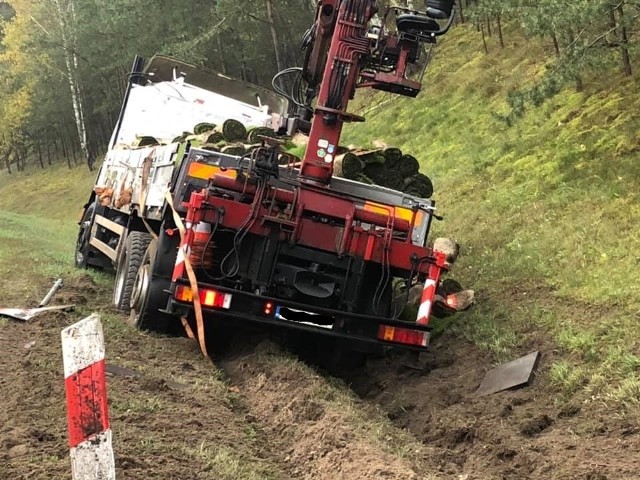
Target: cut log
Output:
[(392, 157), (376, 172), (393, 180), (210, 146), (181, 138), (233, 130), (204, 127), (351, 166), (254, 134), (214, 137), (145, 141), (408, 166), (234, 149), (372, 158), (418, 185), (362, 178), (300, 140)]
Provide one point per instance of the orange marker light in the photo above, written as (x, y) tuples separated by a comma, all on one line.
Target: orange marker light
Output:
[(403, 335)]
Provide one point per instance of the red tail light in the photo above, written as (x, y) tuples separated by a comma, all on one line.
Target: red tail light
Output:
[(208, 297), (405, 336)]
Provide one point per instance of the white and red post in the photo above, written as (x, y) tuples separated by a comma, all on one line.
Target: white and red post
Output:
[(430, 287), (87, 412)]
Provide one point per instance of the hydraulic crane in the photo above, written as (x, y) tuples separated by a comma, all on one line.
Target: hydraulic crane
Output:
[(344, 51)]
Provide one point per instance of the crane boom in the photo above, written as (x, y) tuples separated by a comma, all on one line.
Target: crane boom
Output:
[(346, 51)]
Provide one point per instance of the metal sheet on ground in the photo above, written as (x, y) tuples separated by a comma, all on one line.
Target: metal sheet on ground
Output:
[(517, 373), (24, 315)]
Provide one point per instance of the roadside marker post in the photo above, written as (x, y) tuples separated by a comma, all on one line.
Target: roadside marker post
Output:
[(90, 438)]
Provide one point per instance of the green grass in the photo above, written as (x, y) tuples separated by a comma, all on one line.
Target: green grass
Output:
[(546, 209), (39, 211), (223, 463)]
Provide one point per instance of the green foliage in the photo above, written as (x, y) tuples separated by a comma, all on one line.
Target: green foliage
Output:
[(545, 208), (587, 36), (101, 39)]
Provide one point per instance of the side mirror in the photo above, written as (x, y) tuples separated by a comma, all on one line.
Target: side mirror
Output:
[(439, 9)]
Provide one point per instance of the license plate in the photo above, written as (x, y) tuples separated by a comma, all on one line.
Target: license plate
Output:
[(301, 316)]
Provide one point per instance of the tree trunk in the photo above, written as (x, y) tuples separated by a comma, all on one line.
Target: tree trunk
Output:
[(461, 12), (7, 157), (274, 33), (63, 147), (499, 24), (47, 135), (578, 77), (67, 26), (624, 43), (40, 154), (223, 64), (20, 159), (488, 26), (484, 40), (556, 45)]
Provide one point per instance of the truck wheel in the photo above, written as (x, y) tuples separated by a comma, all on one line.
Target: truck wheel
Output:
[(84, 235), (129, 263), (149, 295)]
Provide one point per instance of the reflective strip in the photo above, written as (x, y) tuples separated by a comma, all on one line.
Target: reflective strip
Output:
[(398, 212), (87, 410), (82, 345), (94, 459), (428, 293)]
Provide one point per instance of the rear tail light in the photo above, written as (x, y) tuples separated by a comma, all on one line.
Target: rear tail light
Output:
[(208, 297), (405, 336)]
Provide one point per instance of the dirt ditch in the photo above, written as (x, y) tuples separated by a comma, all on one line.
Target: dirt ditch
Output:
[(259, 413), (509, 435)]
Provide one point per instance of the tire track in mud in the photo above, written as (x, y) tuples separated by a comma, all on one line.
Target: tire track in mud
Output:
[(321, 429), (520, 434), (175, 418), (423, 421), (268, 415)]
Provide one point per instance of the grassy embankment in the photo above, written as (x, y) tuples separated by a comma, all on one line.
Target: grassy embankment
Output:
[(547, 210), (39, 210)]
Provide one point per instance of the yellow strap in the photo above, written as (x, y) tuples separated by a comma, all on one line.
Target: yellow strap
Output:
[(187, 328), (197, 308)]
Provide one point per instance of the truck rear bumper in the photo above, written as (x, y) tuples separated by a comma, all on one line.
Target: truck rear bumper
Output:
[(245, 308)]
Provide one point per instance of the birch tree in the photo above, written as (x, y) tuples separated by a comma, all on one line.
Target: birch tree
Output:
[(66, 18)]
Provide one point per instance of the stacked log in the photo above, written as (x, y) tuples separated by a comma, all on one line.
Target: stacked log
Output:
[(387, 167), (384, 166), (230, 138)]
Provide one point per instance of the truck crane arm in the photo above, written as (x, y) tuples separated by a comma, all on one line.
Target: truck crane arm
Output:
[(345, 50)]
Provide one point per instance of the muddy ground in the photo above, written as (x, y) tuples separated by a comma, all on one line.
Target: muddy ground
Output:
[(258, 412)]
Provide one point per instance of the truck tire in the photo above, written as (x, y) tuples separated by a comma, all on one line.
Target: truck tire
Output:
[(129, 263), (150, 294), (84, 236)]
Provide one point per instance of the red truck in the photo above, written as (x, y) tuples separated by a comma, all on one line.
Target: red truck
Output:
[(198, 236)]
